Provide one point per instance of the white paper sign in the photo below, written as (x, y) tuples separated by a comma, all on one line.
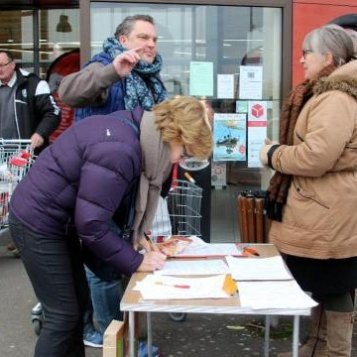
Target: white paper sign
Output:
[(201, 78), (225, 86), (257, 132), (251, 82)]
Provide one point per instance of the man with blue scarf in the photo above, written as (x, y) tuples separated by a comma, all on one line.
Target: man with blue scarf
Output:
[(108, 84), (125, 75)]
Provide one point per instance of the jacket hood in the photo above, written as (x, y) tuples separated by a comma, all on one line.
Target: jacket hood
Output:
[(23, 76), (343, 79)]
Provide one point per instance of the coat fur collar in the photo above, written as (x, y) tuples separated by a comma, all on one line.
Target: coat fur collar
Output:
[(343, 79), (342, 83)]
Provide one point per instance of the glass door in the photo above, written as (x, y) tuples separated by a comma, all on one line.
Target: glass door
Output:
[(230, 56)]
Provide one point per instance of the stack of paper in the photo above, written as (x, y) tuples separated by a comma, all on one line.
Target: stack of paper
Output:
[(193, 267), (274, 295), (200, 249), (155, 287), (258, 268)]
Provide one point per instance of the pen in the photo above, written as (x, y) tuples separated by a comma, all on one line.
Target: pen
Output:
[(149, 241), (179, 286), (189, 177)]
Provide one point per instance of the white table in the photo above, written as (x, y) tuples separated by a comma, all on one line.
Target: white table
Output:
[(132, 302)]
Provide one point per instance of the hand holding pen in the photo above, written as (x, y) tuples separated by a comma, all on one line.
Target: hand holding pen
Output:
[(153, 259)]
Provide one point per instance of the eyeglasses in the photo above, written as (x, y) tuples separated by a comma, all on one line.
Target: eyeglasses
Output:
[(4, 64), (306, 52), (185, 155)]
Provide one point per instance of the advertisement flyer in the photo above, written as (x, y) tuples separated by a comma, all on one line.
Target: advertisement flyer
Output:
[(257, 130), (229, 132)]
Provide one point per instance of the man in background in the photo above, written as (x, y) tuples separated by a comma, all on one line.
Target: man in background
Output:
[(125, 75), (109, 82), (27, 109)]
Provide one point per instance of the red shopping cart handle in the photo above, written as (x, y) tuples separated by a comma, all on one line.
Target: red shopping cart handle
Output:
[(26, 155), (18, 161)]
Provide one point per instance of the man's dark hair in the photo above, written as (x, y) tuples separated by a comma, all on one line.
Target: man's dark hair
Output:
[(128, 23), (348, 21), (9, 54)]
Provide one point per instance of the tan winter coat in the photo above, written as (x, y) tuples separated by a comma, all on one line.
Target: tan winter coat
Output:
[(320, 216)]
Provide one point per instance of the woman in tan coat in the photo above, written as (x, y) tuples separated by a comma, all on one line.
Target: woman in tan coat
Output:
[(312, 197)]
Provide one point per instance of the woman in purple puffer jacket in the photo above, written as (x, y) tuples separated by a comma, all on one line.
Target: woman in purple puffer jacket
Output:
[(68, 200)]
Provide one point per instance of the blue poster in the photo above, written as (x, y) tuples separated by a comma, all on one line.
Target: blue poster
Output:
[(229, 131)]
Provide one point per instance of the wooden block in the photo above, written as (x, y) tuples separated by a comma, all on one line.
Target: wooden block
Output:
[(113, 344)]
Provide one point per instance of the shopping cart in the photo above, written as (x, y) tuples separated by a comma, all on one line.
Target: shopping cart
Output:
[(16, 158), (180, 212), (184, 205)]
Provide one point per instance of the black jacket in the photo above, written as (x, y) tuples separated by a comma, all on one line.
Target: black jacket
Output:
[(35, 108)]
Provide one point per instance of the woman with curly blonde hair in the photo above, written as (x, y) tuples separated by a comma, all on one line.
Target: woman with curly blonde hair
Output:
[(176, 129)]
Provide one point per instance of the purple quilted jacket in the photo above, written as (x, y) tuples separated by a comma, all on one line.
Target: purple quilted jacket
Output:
[(83, 178)]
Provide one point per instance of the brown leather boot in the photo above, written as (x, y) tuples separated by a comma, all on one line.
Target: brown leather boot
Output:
[(316, 344), (339, 333)]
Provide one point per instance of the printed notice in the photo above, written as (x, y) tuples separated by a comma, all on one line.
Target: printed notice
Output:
[(225, 86), (201, 79), (251, 82)]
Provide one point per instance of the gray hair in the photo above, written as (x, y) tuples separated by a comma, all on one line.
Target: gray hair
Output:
[(124, 28), (331, 39)]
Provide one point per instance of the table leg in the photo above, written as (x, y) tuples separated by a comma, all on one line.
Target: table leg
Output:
[(267, 336), (296, 336), (131, 334), (149, 333)]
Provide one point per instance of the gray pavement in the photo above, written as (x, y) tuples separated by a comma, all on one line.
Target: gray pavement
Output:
[(199, 335)]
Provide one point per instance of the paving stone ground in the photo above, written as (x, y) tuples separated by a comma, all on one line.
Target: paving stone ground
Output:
[(223, 336)]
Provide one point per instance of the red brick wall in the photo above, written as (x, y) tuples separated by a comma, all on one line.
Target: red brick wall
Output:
[(309, 14)]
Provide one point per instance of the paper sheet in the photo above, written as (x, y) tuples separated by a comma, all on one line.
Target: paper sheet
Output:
[(258, 268), (155, 287), (251, 82), (193, 267), (225, 86), (201, 78), (273, 295), (198, 248)]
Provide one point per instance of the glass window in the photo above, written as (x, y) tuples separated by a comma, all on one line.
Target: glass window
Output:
[(199, 43), (16, 35), (58, 34)]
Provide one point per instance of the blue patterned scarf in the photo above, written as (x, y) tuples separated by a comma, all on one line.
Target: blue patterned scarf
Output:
[(143, 87)]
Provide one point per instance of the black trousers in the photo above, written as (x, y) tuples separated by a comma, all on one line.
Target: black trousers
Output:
[(55, 268)]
